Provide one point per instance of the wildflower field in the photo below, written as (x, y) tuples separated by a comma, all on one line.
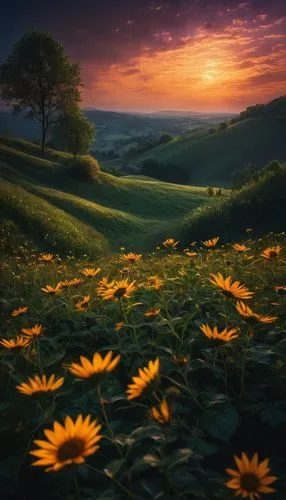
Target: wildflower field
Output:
[(145, 376)]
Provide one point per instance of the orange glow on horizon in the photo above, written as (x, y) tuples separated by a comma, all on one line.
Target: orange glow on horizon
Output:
[(217, 71)]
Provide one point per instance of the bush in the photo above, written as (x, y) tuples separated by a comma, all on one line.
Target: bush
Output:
[(222, 126), (210, 191), (83, 168)]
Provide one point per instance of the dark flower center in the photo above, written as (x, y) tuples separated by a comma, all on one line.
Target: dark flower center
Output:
[(273, 253), (70, 449), (120, 292), (249, 482)]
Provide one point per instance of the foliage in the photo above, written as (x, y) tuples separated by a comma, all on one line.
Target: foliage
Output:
[(260, 205), (225, 397), (37, 77), (83, 168), (168, 172), (73, 132)]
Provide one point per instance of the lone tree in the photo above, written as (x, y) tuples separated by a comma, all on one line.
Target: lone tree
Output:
[(38, 77), (73, 132)]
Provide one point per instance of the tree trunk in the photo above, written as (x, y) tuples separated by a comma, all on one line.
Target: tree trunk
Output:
[(43, 141)]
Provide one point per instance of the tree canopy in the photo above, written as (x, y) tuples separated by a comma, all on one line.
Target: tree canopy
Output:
[(38, 77)]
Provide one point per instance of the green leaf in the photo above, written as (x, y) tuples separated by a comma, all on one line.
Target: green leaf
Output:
[(179, 457), (273, 417), (221, 425)]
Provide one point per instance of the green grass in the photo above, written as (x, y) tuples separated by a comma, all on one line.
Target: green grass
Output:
[(109, 212), (211, 159), (224, 397), (260, 206)]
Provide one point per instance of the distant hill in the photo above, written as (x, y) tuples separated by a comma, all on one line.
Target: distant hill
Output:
[(211, 159), (39, 202)]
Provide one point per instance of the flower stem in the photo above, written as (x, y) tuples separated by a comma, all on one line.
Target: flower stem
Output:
[(128, 492)]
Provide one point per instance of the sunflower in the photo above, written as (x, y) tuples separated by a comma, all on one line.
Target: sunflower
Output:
[(52, 289), (234, 289), (145, 376), (67, 444), (271, 252), (15, 343), (162, 414), (120, 289), (72, 282), (154, 282), (170, 243), (83, 304), (211, 243), (251, 477), (154, 311), (47, 257), (90, 272), (240, 248), (247, 313), (131, 257), (119, 325), (281, 290), (34, 331), (87, 369), (191, 254), (225, 335), (18, 312), (37, 384)]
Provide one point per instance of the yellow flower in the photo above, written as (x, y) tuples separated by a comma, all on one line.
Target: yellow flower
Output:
[(240, 248), (271, 252), (104, 285), (120, 289), (18, 312), (119, 325), (281, 290), (52, 289), (72, 282), (18, 342), (83, 304), (34, 331), (247, 313), (90, 272), (162, 414), (67, 444), (251, 477), (154, 282), (234, 289), (211, 243), (145, 376), (181, 359), (86, 369), (131, 257), (225, 335), (170, 243), (191, 254), (152, 312), (37, 384), (47, 257)]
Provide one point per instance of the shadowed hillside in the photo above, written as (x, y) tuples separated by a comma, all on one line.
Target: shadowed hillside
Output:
[(211, 159), (52, 209)]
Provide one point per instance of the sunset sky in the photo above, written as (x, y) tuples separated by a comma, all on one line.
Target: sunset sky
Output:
[(140, 55)]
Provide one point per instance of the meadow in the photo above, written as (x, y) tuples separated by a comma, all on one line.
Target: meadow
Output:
[(144, 375)]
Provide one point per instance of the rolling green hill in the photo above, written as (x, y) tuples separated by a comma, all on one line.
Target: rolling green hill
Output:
[(259, 207), (211, 159), (40, 200)]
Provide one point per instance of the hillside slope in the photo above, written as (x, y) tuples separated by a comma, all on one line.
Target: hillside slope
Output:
[(211, 159), (51, 209), (259, 208)]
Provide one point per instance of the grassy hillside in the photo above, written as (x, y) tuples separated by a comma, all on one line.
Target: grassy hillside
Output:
[(260, 207), (42, 201), (211, 159)]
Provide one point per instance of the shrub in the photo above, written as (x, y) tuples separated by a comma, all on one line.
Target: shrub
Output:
[(218, 192), (83, 168), (210, 191)]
